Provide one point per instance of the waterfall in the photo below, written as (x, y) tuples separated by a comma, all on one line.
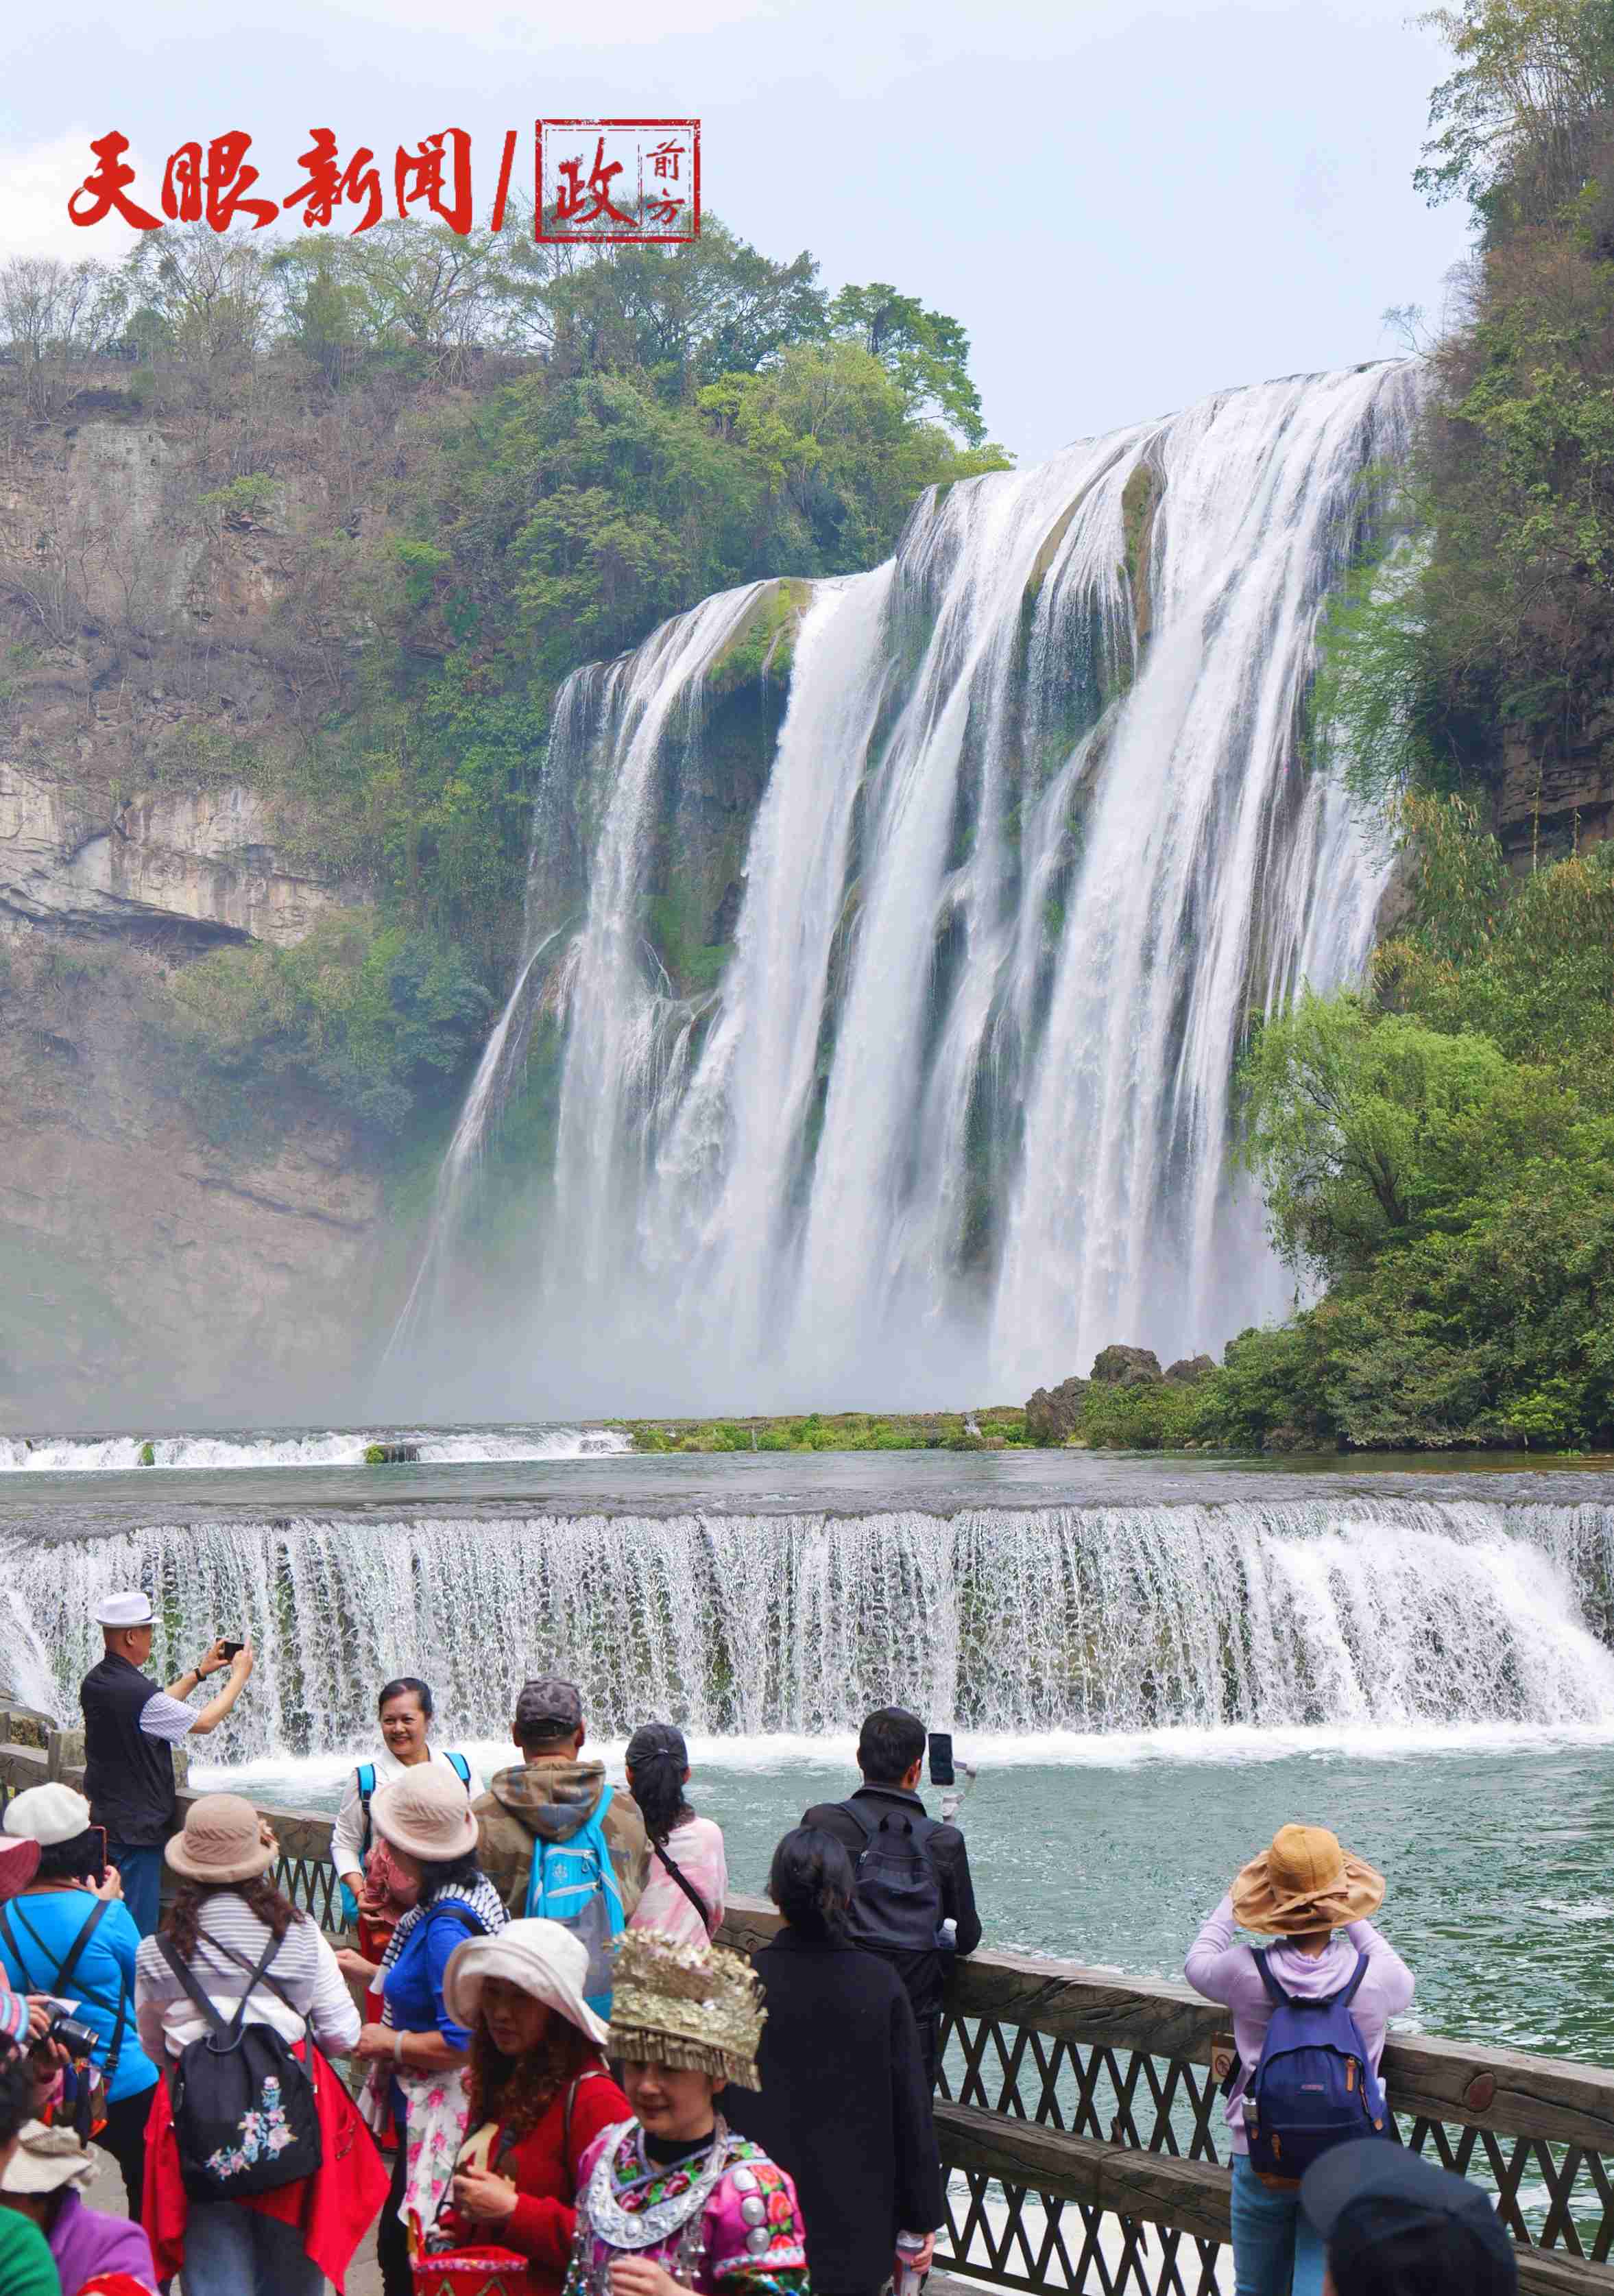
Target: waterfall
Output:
[(1035, 841), (1343, 1613)]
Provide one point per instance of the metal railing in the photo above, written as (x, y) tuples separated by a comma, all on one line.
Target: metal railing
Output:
[(1079, 2117)]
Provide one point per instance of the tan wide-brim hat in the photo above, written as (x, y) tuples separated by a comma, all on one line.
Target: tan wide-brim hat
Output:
[(540, 1957), (1305, 1882), (426, 1814), (225, 1840)]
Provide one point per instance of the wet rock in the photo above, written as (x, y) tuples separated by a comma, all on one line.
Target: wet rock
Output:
[(1052, 1415), (1187, 1370), (1123, 1366), (391, 1455)]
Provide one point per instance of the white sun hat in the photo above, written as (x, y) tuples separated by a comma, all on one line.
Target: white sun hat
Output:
[(540, 1957), (125, 1609)]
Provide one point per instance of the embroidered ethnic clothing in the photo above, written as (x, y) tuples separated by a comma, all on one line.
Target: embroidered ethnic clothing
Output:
[(726, 2218)]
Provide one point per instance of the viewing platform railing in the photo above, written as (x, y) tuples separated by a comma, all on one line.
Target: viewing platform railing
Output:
[(1079, 2111)]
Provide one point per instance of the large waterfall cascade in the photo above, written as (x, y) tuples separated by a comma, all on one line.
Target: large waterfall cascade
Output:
[(1035, 842), (1334, 1613)]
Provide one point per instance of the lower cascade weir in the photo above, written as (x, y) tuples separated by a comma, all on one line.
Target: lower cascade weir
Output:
[(892, 1036), (1358, 1614)]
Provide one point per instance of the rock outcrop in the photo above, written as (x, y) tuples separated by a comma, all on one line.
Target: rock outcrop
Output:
[(1124, 1366), (1188, 1370), (198, 860), (1052, 1415)]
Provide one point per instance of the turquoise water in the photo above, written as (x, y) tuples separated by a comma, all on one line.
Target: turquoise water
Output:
[(1498, 1854)]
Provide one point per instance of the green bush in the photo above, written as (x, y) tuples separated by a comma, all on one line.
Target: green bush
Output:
[(377, 1020)]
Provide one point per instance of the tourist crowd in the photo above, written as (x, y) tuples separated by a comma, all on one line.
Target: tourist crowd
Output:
[(558, 2084)]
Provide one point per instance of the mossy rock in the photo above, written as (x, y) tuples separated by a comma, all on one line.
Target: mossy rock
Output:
[(148, 1454), (1140, 505), (763, 648)]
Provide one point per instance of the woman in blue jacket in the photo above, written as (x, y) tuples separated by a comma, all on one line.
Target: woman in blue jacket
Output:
[(69, 1933)]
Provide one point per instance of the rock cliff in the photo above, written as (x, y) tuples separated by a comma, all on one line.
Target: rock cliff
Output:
[(159, 1261)]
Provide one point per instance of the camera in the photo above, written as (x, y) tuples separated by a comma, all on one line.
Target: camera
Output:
[(78, 2038), (232, 1649)]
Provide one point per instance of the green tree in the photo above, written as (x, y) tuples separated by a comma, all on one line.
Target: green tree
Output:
[(926, 353), (1512, 118)]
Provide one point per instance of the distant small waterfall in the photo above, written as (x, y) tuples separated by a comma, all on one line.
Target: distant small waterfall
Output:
[(1346, 1612), (1036, 841)]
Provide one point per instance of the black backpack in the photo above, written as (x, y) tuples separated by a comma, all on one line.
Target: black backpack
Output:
[(244, 2104), (897, 1902)]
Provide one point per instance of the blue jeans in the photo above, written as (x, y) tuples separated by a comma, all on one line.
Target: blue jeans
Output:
[(233, 2251), (1274, 2248), (141, 1872)]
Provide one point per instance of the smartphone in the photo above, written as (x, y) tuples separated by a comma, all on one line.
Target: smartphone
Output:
[(941, 1759), (230, 1649), (100, 1833)]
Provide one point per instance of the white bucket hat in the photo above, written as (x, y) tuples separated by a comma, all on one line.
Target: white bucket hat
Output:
[(45, 2160), (541, 1958), (47, 1815)]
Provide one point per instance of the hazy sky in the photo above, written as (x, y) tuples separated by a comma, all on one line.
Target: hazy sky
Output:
[(1126, 205)]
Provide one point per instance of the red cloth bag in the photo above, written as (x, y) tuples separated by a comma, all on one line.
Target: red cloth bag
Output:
[(332, 2210)]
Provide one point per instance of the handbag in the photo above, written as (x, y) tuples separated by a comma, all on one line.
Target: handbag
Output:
[(481, 2269)]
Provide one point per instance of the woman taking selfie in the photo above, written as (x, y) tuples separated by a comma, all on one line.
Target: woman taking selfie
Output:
[(540, 2095)]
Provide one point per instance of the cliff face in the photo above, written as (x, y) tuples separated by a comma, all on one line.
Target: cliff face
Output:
[(159, 1262)]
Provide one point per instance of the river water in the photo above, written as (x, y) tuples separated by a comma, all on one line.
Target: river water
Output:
[(1155, 1662)]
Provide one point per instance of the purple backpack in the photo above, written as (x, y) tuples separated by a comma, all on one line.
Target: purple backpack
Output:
[(1313, 2087)]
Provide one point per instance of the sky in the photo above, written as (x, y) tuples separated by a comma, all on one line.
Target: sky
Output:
[(1128, 206)]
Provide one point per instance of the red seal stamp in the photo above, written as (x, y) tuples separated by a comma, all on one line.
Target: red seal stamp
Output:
[(622, 180)]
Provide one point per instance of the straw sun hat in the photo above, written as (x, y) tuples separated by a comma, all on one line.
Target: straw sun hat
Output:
[(1305, 1882), (225, 1840), (540, 1957), (425, 1814)]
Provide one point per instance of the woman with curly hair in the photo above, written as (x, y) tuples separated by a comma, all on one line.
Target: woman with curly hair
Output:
[(231, 1944), (540, 2095)]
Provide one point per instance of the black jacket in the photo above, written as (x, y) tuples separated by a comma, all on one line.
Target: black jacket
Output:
[(921, 1972), (843, 2106), (128, 1778)]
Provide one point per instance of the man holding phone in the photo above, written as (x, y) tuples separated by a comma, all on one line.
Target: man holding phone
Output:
[(913, 1874), (130, 1730)]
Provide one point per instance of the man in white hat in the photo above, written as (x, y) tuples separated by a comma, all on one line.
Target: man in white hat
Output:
[(130, 1730)]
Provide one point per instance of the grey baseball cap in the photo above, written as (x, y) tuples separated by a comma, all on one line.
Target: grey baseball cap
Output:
[(548, 1705)]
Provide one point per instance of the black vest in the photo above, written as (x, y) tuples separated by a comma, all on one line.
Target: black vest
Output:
[(128, 1778)]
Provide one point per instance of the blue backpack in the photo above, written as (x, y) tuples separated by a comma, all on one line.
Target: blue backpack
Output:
[(366, 1788), (575, 1883), (1313, 2087)]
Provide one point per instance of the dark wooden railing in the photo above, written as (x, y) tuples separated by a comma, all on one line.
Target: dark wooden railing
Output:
[(1078, 2114)]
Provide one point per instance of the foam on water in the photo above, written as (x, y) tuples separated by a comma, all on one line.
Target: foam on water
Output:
[(1131, 1633), (336, 1448)]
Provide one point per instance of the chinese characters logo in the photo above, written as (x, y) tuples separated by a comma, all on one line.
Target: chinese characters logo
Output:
[(593, 179)]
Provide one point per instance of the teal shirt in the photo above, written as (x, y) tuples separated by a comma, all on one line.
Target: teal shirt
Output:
[(27, 2268), (44, 1925)]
